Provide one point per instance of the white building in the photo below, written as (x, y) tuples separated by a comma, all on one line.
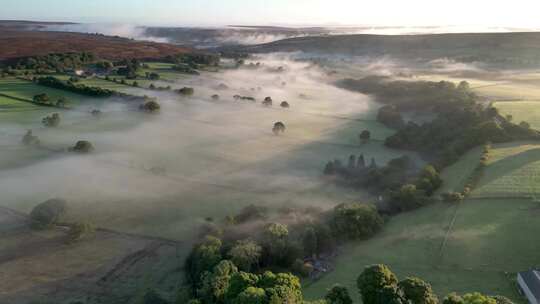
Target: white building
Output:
[(529, 283)]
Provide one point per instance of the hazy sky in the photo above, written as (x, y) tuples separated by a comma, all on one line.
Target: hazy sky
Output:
[(515, 13)]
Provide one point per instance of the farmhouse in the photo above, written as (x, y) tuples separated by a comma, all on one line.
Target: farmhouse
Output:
[(529, 283)]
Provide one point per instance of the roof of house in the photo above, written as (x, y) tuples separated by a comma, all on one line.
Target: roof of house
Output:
[(532, 279)]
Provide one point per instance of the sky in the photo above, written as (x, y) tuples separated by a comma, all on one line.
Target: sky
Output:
[(515, 13)]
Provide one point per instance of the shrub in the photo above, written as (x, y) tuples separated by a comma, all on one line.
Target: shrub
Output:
[(48, 213)]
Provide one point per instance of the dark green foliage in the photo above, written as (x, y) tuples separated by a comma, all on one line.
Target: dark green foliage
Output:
[(203, 258), (152, 297), (355, 221), (365, 136), (57, 62), (82, 146), (245, 254), (186, 91), (408, 197), (129, 68), (251, 213), (42, 99), (215, 283), (51, 121), (390, 116), (48, 213), (150, 106), (338, 295), (56, 83), (152, 76), (452, 197), (418, 291), (372, 283), (429, 180), (185, 68), (453, 298)]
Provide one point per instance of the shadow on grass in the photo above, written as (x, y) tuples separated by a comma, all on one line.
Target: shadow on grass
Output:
[(509, 164)]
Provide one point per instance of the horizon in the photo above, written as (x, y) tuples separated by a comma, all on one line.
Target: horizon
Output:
[(340, 13)]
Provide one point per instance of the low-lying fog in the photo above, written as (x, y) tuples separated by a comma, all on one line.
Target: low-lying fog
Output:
[(212, 157)]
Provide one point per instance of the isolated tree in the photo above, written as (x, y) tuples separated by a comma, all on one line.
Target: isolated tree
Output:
[(150, 106), (373, 280), (279, 127), (51, 121), (267, 101), (80, 231), (61, 102), (186, 91), (215, 97), (365, 136), (42, 98), (418, 291), (361, 162), (525, 125), (82, 146), (284, 104), (355, 220), (48, 213), (245, 254), (352, 162), (96, 113), (338, 295), (29, 139), (329, 169), (509, 117)]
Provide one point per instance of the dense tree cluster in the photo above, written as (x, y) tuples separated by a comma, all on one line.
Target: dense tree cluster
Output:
[(56, 83), (56, 62), (128, 68)]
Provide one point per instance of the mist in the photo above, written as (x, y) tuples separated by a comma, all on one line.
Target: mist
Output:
[(217, 156)]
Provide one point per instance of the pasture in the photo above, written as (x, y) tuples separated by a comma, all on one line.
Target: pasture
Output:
[(528, 111)]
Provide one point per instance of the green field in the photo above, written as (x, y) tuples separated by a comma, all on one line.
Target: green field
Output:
[(528, 111), (27, 90), (476, 257), (513, 171)]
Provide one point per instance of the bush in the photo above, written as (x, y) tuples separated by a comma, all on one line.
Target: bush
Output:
[(151, 106), (48, 213), (82, 146), (355, 221), (51, 121)]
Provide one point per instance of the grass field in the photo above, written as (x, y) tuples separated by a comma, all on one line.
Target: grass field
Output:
[(27, 90), (513, 171), (475, 257), (528, 111)]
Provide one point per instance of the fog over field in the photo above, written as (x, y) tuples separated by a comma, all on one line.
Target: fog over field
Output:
[(209, 157)]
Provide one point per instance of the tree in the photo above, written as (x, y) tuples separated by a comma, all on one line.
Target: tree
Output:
[(281, 288), (48, 213), (251, 295), (309, 242), (276, 237), (478, 298), (408, 197), (245, 254), (41, 98), (215, 284), (79, 231), (338, 295), (61, 102), (51, 121), (82, 146), (525, 125), (373, 280), (279, 127), (418, 291), (251, 213), (215, 97), (452, 197), (150, 106), (30, 140), (389, 116), (284, 104), (203, 258), (186, 91), (355, 221), (365, 136), (267, 101), (453, 298)]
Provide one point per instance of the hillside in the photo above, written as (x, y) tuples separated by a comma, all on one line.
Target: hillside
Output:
[(500, 48), (18, 44)]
